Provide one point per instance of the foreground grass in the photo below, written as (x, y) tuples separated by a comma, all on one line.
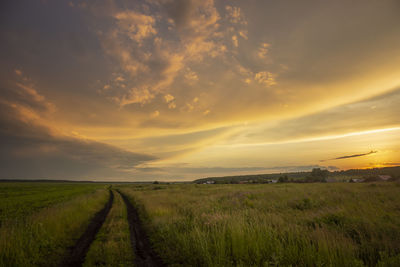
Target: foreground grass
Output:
[(112, 246), (273, 225), (41, 239)]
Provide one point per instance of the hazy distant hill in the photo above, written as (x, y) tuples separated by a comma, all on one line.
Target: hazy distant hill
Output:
[(394, 172)]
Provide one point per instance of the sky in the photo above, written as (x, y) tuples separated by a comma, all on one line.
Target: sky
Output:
[(175, 90)]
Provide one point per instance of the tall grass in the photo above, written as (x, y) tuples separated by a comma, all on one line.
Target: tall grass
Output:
[(42, 238), (112, 246), (273, 225)]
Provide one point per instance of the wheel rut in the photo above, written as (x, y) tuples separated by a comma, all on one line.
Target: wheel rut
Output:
[(76, 255), (144, 253)]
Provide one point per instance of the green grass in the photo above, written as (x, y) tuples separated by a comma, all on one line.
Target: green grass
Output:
[(332, 224), (337, 224), (41, 236), (19, 200), (112, 246)]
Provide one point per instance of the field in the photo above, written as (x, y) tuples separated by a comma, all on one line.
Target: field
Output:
[(315, 224)]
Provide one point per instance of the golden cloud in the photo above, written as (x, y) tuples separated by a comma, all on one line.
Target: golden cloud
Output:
[(135, 25), (263, 50), (265, 78)]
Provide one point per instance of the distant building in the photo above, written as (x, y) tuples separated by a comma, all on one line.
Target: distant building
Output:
[(210, 182), (356, 180), (384, 177)]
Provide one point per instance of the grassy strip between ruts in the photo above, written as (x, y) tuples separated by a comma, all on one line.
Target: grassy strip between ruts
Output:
[(272, 225), (42, 238), (112, 246)]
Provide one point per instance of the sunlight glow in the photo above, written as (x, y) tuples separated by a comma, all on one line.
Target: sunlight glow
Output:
[(321, 138)]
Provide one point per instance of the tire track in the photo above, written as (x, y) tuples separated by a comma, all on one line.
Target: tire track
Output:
[(144, 253), (76, 255)]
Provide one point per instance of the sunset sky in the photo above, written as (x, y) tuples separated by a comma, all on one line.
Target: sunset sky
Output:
[(184, 89)]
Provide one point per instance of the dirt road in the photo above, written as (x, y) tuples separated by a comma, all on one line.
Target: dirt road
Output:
[(76, 255), (144, 254)]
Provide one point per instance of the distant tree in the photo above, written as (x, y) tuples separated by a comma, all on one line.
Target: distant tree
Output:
[(317, 172), (317, 175), (283, 179), (156, 182)]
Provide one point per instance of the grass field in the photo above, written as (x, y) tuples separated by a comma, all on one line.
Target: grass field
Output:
[(321, 224), (337, 224), (19, 200), (41, 220)]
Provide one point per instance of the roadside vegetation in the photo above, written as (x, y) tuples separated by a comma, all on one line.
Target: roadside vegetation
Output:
[(338, 224)]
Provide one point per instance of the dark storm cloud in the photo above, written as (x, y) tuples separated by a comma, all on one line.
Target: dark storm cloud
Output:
[(33, 151), (180, 11)]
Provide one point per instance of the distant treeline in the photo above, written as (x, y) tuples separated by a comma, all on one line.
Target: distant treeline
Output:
[(392, 171), (316, 175), (41, 181)]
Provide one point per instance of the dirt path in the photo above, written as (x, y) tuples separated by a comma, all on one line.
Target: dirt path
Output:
[(77, 253), (144, 254)]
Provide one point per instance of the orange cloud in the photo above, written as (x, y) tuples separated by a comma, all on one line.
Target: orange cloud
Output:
[(168, 98), (263, 50), (135, 95), (136, 26), (265, 78), (235, 41), (235, 15)]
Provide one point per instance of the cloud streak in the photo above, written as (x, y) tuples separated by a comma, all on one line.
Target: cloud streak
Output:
[(352, 156)]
